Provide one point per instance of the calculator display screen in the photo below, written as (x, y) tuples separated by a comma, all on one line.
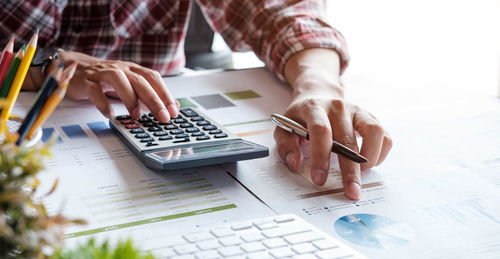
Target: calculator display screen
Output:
[(177, 153)]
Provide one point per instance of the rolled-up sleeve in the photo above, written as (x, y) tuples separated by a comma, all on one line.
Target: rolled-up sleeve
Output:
[(275, 29)]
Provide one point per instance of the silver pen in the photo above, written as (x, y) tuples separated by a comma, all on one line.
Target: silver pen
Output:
[(294, 127)]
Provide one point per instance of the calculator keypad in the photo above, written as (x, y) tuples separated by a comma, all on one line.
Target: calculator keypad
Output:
[(189, 126)]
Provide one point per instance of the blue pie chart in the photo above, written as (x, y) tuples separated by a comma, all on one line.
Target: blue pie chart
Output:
[(374, 231)]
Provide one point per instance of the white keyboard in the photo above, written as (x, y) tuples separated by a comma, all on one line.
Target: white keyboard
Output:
[(284, 236)]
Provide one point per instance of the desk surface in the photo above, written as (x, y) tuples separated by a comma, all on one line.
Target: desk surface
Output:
[(435, 195)]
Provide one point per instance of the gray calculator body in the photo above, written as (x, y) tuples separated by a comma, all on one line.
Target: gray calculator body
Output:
[(190, 140)]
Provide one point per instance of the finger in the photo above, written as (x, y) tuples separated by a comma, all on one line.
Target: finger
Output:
[(288, 148), (148, 96), (343, 132), (97, 96), (386, 147), (373, 137), (156, 81), (320, 137), (118, 80)]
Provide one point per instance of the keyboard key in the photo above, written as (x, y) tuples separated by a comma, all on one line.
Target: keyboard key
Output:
[(203, 123), (181, 140), (144, 119), (250, 237), (267, 225), (164, 252), (241, 226), (197, 118), (185, 256), (207, 254), (160, 133), (183, 135), (149, 124), (282, 252), (222, 232), (216, 131), (151, 114), (150, 144), (252, 247), (208, 244), (163, 138), (304, 248), (303, 237), (230, 251), (171, 127), (202, 137), (186, 125), (123, 117), (259, 255), (154, 128), (283, 231), (230, 241), (179, 120), (221, 135), (283, 219), (324, 244), (209, 127), (305, 256), (197, 134), (188, 112), (333, 253), (274, 243), (140, 130), (198, 236), (186, 249), (142, 135), (192, 130), (150, 139)]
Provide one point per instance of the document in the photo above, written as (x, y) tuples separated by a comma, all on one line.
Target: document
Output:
[(103, 183)]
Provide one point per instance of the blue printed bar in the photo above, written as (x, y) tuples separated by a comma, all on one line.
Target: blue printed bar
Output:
[(100, 129), (47, 134), (74, 131)]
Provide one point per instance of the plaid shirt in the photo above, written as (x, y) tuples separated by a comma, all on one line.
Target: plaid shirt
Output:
[(151, 32)]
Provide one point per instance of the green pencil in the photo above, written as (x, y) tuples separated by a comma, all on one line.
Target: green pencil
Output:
[(12, 72)]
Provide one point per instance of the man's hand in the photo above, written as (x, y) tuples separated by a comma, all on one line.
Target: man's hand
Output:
[(318, 104), (96, 79)]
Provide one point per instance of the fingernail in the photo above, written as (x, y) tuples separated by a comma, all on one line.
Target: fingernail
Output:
[(319, 177), (173, 109), (353, 191), (136, 112), (291, 160), (163, 115)]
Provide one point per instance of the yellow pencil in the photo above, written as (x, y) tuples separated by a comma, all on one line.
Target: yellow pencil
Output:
[(18, 80), (54, 99)]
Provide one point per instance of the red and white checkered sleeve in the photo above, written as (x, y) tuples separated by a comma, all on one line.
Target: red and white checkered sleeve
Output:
[(275, 29)]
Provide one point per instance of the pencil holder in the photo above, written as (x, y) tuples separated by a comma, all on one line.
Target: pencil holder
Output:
[(13, 125)]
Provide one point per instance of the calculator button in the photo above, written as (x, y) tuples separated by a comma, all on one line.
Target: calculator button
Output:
[(203, 123), (165, 137), (144, 119), (181, 140), (205, 137), (164, 123), (188, 112), (149, 144), (140, 130), (183, 135), (171, 127), (151, 114), (179, 120), (197, 134), (197, 118), (176, 131), (123, 117), (142, 135), (217, 131), (221, 135), (147, 140), (132, 126), (149, 124), (160, 133), (154, 128), (209, 127), (192, 130), (186, 125), (125, 122)]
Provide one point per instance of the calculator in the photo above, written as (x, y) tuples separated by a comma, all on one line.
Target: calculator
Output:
[(191, 139)]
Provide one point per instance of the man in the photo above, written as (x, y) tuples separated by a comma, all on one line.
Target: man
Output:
[(124, 46)]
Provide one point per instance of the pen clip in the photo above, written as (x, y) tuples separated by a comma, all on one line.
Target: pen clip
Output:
[(276, 119)]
